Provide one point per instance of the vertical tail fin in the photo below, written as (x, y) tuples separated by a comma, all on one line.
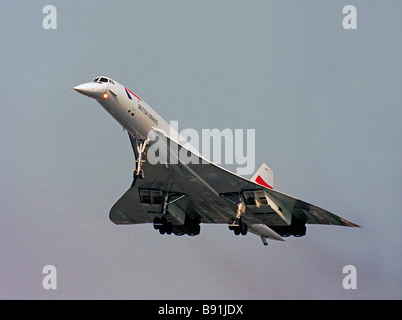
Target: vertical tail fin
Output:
[(264, 176)]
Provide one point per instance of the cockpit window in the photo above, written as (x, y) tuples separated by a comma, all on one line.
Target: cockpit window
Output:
[(103, 79)]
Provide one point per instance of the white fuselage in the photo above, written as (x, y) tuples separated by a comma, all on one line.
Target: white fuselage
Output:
[(133, 113)]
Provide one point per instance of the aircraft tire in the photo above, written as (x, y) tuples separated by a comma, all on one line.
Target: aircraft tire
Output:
[(243, 229)]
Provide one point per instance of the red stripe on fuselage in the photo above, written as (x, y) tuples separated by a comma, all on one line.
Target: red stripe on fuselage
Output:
[(133, 94), (261, 181)]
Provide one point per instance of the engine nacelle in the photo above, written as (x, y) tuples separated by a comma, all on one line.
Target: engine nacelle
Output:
[(297, 228)]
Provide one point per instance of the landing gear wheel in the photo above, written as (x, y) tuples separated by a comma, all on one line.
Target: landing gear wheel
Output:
[(243, 228), (237, 226), (157, 223), (169, 228), (163, 225)]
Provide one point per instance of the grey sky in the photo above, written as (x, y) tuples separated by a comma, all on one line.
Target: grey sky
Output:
[(325, 103)]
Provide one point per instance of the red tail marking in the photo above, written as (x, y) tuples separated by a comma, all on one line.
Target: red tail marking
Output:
[(261, 181)]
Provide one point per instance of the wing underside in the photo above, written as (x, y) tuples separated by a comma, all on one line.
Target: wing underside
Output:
[(208, 193)]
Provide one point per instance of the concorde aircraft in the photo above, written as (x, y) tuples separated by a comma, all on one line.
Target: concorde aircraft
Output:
[(177, 196)]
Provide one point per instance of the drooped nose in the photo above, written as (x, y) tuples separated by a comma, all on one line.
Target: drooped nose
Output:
[(91, 89)]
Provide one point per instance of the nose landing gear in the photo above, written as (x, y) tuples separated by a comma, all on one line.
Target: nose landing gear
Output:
[(141, 150)]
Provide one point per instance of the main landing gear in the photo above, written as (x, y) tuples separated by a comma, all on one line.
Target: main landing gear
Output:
[(162, 224), (236, 224), (190, 227), (187, 225)]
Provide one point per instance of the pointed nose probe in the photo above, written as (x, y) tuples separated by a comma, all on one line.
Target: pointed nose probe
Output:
[(91, 89), (84, 88)]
